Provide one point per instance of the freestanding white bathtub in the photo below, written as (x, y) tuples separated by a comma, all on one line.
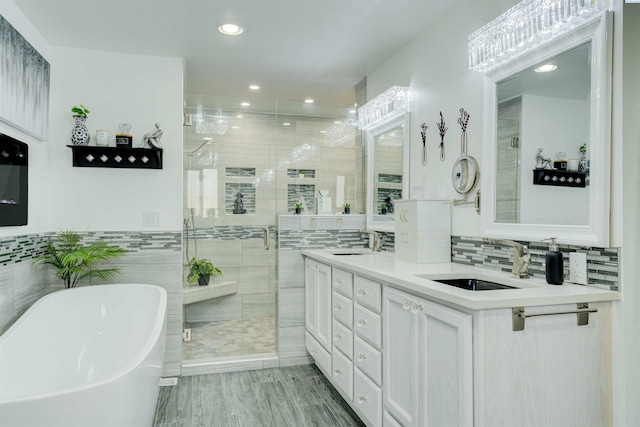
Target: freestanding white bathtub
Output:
[(85, 357)]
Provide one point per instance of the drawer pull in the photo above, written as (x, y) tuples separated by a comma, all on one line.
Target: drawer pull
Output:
[(337, 336), (337, 307), (313, 351), (339, 282), (362, 399), (361, 292), (415, 307), (361, 322), (361, 357), (406, 304), (337, 371)]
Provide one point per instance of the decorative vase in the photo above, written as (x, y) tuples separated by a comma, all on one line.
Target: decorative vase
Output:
[(80, 134), (582, 165), (204, 279)]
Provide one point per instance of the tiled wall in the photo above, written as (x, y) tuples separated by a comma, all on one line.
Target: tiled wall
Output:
[(152, 257), (239, 252), (297, 233), (602, 263)]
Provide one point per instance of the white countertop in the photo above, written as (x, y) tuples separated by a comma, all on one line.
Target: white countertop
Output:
[(401, 274)]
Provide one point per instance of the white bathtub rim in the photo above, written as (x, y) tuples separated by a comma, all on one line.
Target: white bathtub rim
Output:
[(148, 345)]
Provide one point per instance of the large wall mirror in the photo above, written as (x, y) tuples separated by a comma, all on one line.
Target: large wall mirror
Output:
[(547, 141), (387, 171)]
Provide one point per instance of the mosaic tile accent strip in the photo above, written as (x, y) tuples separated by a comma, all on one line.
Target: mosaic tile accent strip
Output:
[(241, 172), (386, 177), (388, 241), (294, 191), (602, 263), (248, 192), (231, 232), (295, 173), (24, 248), (21, 248), (321, 239)]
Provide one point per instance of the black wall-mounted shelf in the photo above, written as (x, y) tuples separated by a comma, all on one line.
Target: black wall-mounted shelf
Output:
[(560, 178), (86, 156)]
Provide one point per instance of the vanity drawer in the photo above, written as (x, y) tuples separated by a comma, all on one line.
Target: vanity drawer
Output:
[(343, 309), (368, 398), (319, 354), (342, 373), (343, 339), (343, 282), (367, 325), (368, 360), (368, 293), (389, 421)]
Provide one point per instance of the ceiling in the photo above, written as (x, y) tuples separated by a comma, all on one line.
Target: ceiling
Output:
[(293, 49)]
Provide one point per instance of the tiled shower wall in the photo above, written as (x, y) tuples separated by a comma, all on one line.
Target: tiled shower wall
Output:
[(239, 252), (602, 263), (152, 258)]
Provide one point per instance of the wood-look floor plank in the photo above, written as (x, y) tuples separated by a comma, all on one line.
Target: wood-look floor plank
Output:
[(276, 409), (208, 404), (167, 408), (240, 397), (265, 375), (319, 416)]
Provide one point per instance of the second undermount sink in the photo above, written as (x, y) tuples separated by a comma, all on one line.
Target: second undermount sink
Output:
[(474, 284), (353, 252)]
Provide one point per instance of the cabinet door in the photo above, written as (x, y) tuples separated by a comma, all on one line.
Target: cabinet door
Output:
[(400, 361), (445, 357), (323, 301), (310, 296)]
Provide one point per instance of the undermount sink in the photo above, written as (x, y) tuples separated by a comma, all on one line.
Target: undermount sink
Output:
[(474, 284), (353, 252)]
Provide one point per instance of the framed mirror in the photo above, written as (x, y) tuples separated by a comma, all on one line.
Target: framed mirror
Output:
[(387, 171), (547, 141)]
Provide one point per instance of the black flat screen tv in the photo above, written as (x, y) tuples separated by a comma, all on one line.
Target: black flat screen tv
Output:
[(14, 181)]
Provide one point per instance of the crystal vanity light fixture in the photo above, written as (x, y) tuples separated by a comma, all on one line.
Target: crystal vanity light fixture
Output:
[(527, 25), (384, 107), (211, 125)]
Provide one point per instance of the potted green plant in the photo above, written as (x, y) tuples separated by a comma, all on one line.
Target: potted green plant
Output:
[(201, 270), (298, 208), (347, 208), (383, 209), (75, 261), (80, 134)]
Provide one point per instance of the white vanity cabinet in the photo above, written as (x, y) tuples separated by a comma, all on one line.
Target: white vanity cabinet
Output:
[(318, 302), (428, 363)]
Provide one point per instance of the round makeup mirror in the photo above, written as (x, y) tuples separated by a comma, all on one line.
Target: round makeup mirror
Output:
[(464, 175)]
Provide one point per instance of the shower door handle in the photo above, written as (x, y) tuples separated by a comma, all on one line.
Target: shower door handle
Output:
[(266, 239)]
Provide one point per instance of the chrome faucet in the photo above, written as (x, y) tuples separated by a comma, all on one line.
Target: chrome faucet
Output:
[(521, 257), (377, 241)]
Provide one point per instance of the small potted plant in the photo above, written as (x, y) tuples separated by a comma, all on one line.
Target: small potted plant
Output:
[(201, 270), (383, 209), (80, 134), (75, 261), (347, 208), (298, 208)]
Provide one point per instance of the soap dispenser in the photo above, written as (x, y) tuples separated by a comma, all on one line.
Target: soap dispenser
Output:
[(554, 264)]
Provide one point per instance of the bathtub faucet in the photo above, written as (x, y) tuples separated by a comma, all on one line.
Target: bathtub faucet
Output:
[(521, 257)]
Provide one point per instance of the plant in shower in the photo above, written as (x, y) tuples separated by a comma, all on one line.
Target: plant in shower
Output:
[(201, 270), (75, 261)]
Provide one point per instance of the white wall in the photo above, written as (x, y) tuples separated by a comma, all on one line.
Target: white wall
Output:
[(116, 88), (553, 124), (39, 173), (436, 68)]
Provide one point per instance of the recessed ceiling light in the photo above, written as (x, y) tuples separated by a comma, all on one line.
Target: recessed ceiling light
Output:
[(323, 131), (245, 104), (235, 127), (207, 139), (308, 101), (254, 87), (352, 111), (239, 116), (338, 122), (230, 29), (545, 68), (286, 124)]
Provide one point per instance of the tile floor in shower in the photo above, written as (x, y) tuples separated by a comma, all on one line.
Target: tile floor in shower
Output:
[(224, 338)]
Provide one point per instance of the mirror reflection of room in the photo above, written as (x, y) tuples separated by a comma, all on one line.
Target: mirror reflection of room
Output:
[(387, 172), (543, 113)]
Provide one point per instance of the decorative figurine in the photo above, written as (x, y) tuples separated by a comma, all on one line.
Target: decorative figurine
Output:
[(238, 205), (543, 162), (153, 138), (443, 129), (389, 204)]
